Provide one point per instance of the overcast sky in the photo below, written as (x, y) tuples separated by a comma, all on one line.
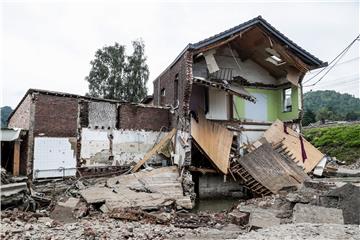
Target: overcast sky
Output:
[(48, 45)]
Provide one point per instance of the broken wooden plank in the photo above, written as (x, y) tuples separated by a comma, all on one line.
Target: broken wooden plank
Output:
[(155, 149), (16, 159), (214, 139), (292, 144), (271, 170)]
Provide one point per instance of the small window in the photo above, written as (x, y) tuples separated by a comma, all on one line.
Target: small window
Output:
[(162, 93), (287, 100), (176, 89)]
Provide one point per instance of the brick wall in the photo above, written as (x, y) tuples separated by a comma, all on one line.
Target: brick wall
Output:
[(55, 116), (138, 117), (182, 68), (21, 118)]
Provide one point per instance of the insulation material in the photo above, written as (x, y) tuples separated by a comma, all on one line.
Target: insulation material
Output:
[(214, 139), (54, 157), (131, 146), (95, 147), (211, 62), (271, 170), (102, 115), (181, 147), (275, 134)]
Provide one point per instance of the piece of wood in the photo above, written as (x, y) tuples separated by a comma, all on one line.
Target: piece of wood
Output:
[(16, 159), (268, 168), (291, 142), (154, 150), (214, 139)]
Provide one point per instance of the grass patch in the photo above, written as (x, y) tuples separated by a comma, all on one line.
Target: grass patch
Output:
[(342, 142)]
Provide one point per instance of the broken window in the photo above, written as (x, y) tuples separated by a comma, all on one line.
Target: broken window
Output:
[(287, 100), (162, 93)]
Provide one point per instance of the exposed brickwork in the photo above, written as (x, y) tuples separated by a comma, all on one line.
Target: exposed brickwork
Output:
[(55, 116), (21, 118), (138, 117), (183, 67)]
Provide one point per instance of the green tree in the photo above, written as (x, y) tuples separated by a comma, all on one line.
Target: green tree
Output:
[(5, 113), (309, 117), (114, 75), (137, 73), (352, 116)]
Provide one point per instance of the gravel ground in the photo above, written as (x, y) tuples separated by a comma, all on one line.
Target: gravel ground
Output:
[(103, 227), (306, 231), (107, 228)]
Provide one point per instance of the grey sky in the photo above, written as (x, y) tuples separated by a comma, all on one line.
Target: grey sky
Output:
[(49, 45)]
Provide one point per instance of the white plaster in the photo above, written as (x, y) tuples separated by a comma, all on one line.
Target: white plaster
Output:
[(257, 111), (128, 146), (131, 146), (218, 105), (93, 142), (52, 155)]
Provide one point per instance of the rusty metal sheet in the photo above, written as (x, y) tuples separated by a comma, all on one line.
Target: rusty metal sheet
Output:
[(214, 139)]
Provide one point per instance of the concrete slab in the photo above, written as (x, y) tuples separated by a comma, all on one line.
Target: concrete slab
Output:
[(306, 213), (262, 218)]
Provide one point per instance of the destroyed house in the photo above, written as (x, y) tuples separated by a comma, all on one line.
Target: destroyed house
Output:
[(226, 112), (227, 90), (64, 133)]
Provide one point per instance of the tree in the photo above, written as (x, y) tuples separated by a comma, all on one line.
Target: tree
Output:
[(114, 75), (5, 113), (137, 73), (309, 117), (352, 116)]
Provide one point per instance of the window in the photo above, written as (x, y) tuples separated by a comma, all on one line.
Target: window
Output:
[(162, 93), (176, 90), (287, 100)]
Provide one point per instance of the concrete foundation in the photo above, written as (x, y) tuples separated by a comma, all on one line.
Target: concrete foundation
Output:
[(214, 186)]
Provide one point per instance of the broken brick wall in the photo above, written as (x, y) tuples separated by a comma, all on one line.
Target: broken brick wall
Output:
[(21, 117), (137, 117), (182, 72), (55, 116)]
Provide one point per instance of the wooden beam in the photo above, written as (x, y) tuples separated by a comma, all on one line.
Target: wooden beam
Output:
[(155, 149), (16, 159)]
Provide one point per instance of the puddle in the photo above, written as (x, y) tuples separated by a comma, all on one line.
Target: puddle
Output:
[(214, 204)]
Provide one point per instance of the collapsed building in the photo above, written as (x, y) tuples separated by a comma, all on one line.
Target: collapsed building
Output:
[(230, 104)]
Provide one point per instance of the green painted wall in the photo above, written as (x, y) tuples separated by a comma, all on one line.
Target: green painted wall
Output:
[(274, 104)]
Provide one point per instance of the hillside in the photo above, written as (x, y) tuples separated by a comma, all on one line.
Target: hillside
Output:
[(330, 105), (5, 112), (342, 141)]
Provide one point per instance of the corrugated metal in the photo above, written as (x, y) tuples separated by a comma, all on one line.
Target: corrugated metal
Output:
[(54, 157), (8, 135)]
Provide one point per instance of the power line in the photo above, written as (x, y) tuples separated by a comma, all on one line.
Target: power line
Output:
[(344, 62), (336, 60)]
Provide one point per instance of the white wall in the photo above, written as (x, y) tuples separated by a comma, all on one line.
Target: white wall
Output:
[(257, 111), (52, 155), (218, 105), (115, 147)]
